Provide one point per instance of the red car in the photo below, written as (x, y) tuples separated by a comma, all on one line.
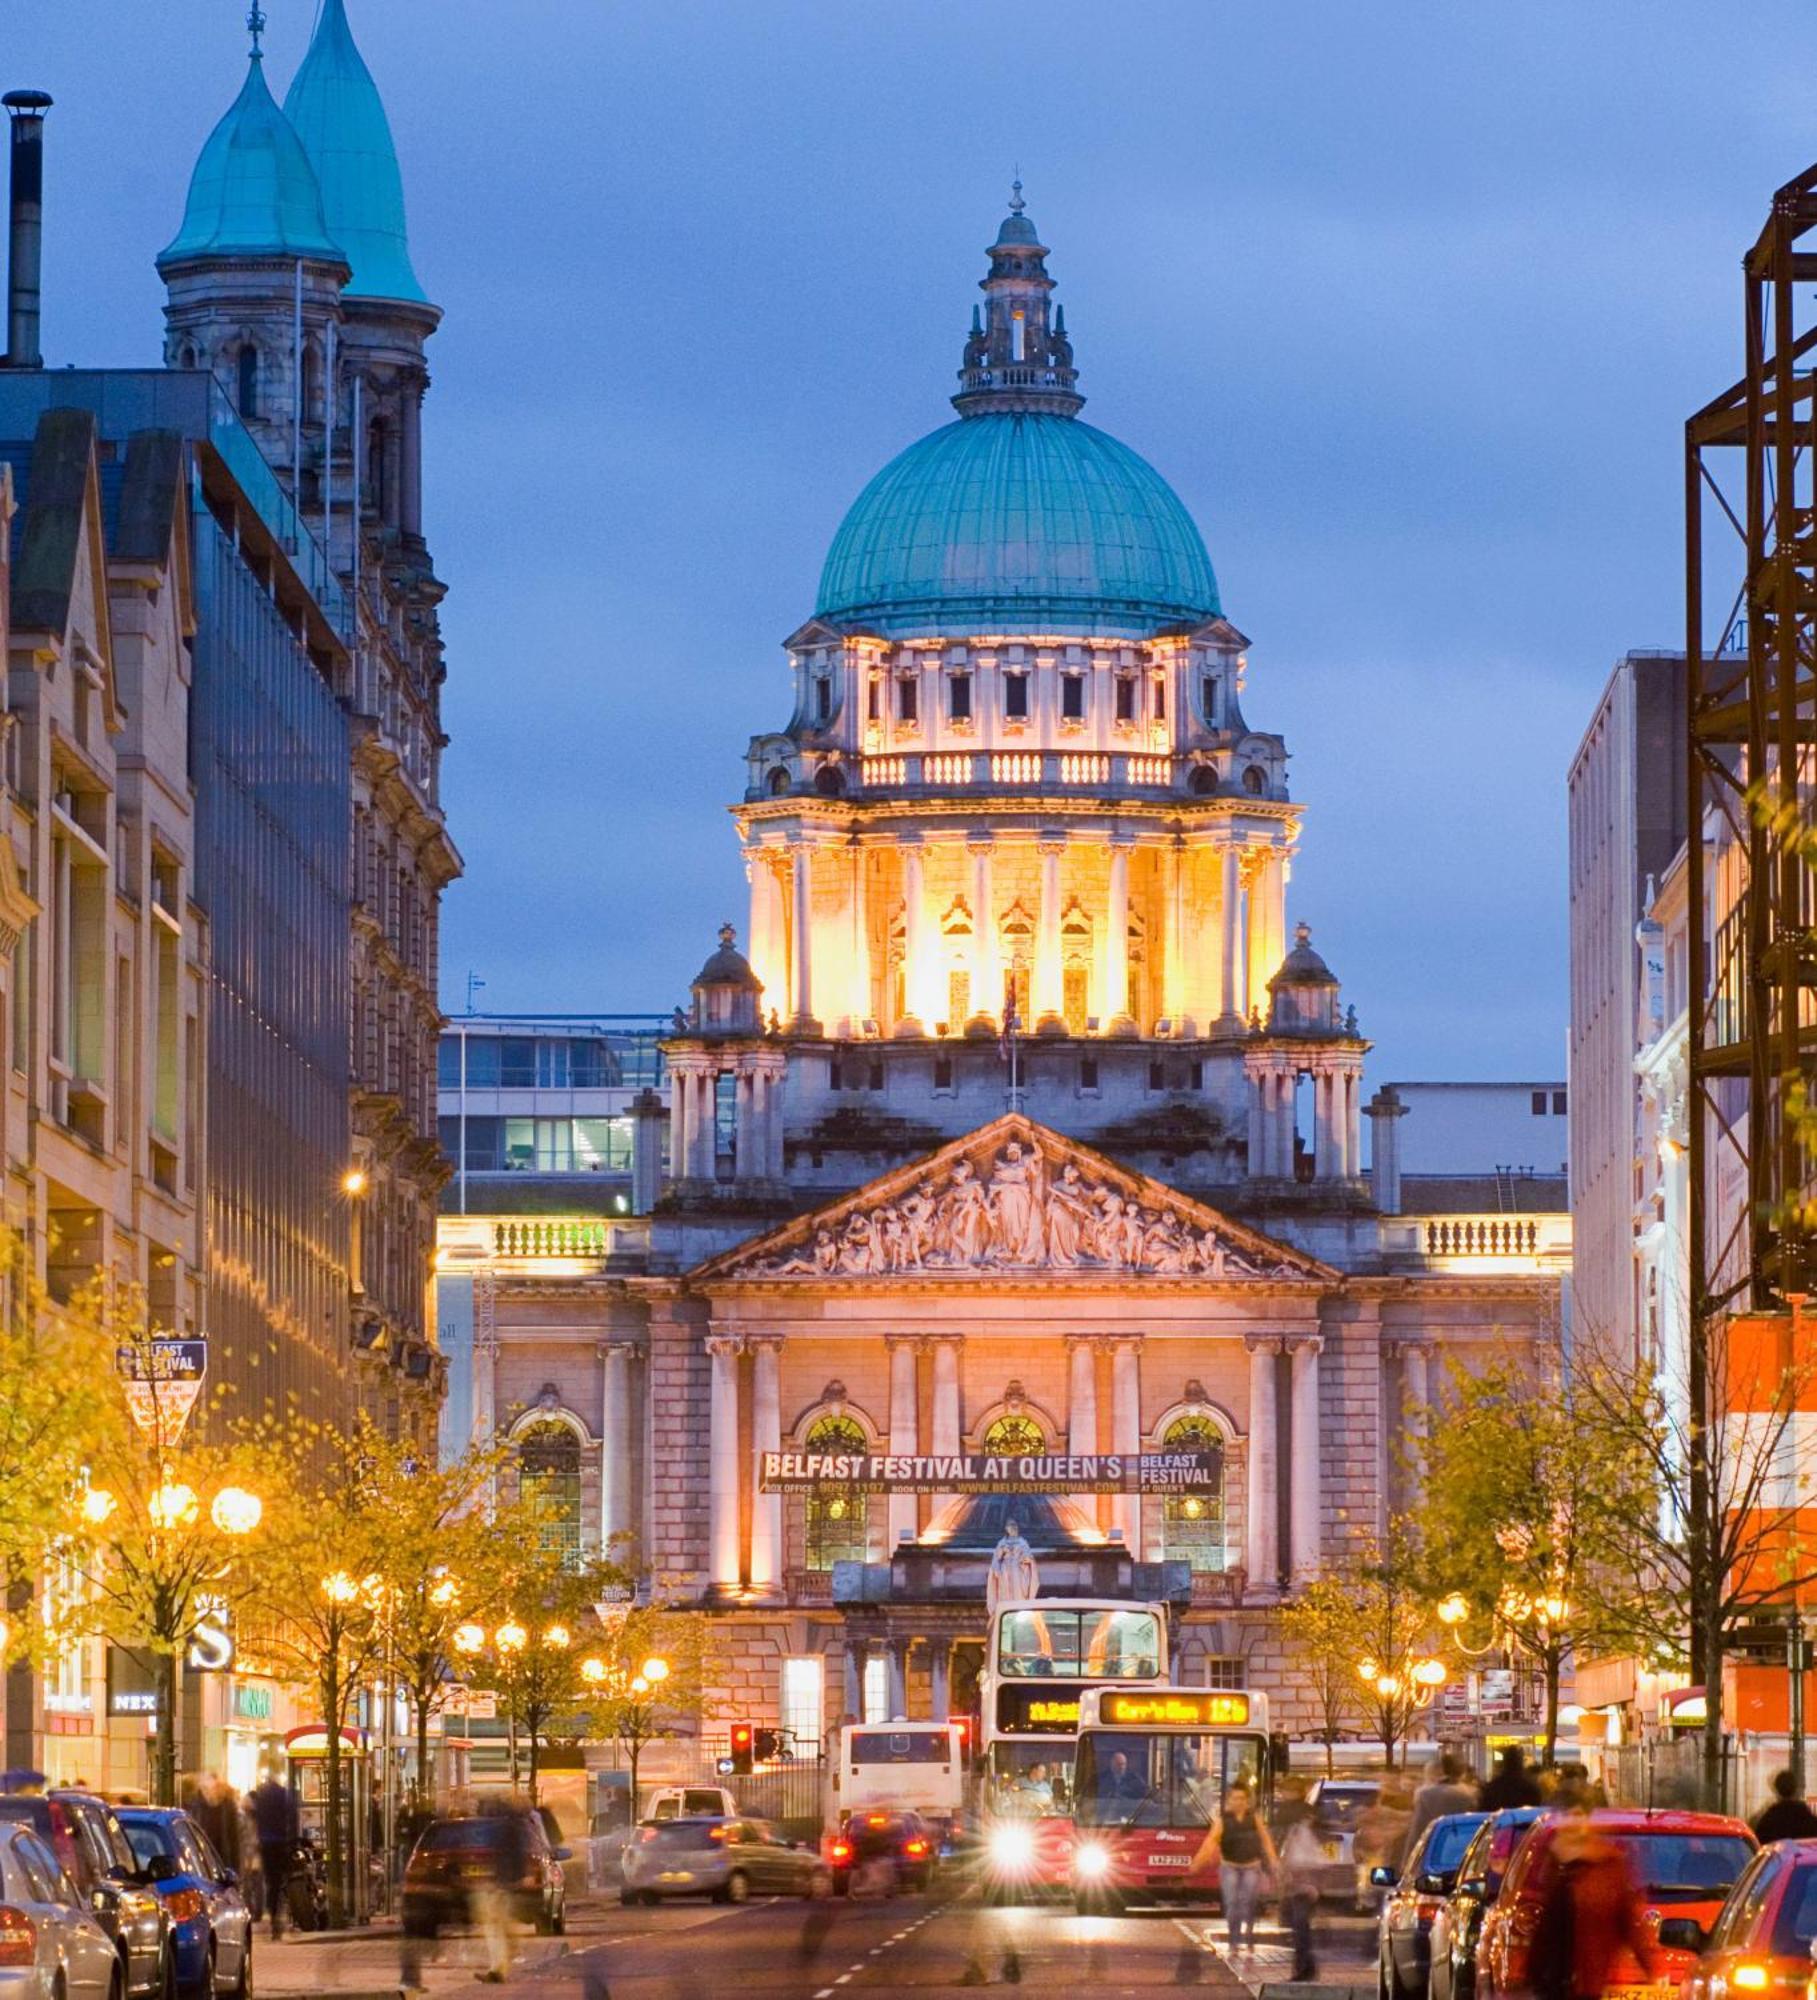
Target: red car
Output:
[(1761, 1943), (1683, 1865)]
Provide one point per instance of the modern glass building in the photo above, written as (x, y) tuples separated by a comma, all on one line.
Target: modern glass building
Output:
[(270, 763)]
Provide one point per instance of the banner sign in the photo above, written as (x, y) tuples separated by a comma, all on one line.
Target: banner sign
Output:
[(1198, 1471), (163, 1378)]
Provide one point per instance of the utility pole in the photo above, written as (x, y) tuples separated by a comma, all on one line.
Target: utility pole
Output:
[(1796, 1660)]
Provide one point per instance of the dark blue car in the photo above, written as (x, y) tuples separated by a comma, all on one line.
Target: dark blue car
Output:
[(211, 1924)]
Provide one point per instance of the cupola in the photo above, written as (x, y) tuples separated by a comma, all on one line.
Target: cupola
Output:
[(1303, 995), (727, 993)]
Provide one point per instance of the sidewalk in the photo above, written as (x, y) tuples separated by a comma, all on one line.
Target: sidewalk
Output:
[(364, 1964), (1344, 1946)]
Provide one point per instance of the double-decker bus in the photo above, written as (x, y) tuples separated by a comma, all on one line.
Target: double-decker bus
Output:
[(1043, 1658), (1150, 1768)]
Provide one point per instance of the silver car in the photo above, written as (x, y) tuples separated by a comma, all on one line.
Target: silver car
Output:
[(51, 1942), (730, 1860)]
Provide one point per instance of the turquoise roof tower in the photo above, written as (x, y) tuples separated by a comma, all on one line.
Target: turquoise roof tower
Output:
[(337, 112), (253, 192), (1018, 518)]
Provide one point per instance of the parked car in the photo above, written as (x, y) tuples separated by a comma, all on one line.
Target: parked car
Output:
[(907, 1842), (1325, 1848), (85, 1836), (454, 1858), (1683, 1865), (1412, 1899), (1457, 1928), (691, 1802), (1762, 1939), (52, 1946), (729, 1860), (210, 1923)]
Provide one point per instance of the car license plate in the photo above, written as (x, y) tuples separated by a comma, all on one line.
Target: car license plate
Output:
[(1661, 1989), (676, 1875), (1170, 1861)]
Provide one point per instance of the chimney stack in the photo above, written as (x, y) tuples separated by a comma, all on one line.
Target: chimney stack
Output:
[(25, 244)]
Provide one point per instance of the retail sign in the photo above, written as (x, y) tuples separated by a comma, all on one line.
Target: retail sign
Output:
[(211, 1647), (1197, 1471), (163, 1379), (132, 1682), (251, 1703)]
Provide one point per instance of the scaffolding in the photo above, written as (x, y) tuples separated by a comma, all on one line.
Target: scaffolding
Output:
[(1751, 560)]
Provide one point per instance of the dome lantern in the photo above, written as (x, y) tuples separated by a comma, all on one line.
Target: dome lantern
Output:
[(1303, 995), (1017, 358), (727, 994)]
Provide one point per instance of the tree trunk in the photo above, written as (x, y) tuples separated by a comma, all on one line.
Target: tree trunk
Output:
[(535, 1744), (422, 1792), (636, 1748), (337, 1855), (1554, 1668), (164, 1776)]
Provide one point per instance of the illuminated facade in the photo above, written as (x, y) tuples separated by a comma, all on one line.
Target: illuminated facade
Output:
[(1029, 1122)]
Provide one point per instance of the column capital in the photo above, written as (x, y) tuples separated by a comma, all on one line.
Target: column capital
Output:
[(1265, 1343), (1122, 839), (1125, 1343), (725, 1346), (941, 1339), (979, 840), (802, 839), (897, 1342), (768, 1343), (626, 1344), (1093, 1341), (1311, 1344), (1398, 1345), (1051, 840), (909, 840)]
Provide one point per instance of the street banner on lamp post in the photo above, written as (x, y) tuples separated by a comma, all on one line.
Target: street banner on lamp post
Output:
[(163, 1379), (1196, 1471)]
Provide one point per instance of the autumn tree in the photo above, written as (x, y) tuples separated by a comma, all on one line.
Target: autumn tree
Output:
[(1319, 1625), (642, 1673), (1397, 1670)]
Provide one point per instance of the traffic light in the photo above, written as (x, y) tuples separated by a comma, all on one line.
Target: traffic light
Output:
[(767, 1745), (741, 1749)]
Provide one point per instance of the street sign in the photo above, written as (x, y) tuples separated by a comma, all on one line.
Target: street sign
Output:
[(482, 1705)]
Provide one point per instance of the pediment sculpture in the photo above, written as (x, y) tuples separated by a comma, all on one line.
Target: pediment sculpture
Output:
[(1017, 1216)]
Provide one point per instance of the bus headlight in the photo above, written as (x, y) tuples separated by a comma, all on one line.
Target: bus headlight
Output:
[(1011, 1846), (1091, 1861)]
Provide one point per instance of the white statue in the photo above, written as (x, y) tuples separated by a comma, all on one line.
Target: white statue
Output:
[(1013, 1578)]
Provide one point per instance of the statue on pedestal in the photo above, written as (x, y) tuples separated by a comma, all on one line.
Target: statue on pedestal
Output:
[(1013, 1577)]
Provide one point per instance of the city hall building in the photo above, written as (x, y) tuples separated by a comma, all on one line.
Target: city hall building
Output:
[(1017, 1119)]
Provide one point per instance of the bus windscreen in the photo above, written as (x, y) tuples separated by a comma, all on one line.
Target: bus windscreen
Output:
[(1039, 1644), (1130, 1778)]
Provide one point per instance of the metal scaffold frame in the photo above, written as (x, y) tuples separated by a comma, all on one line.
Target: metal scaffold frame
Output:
[(1750, 459)]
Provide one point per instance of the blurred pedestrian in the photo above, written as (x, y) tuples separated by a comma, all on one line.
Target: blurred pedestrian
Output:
[(1240, 1845), (1513, 1784), (1446, 1790), (274, 1819), (509, 1863), (1590, 1915), (1380, 1838), (1297, 1846), (216, 1810), (1788, 1817)]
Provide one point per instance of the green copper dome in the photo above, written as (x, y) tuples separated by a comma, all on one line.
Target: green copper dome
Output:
[(1018, 521), (335, 107), (253, 193)]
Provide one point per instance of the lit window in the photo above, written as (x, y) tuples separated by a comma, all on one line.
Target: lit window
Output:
[(803, 1682), (548, 1458), (1014, 1436), (835, 1522), (1192, 1525), (876, 1689)]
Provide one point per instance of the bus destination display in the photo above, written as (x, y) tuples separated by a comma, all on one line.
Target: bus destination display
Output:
[(1182, 1709), (1036, 1711)]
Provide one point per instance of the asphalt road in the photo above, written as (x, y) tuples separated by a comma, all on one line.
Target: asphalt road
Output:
[(919, 1945)]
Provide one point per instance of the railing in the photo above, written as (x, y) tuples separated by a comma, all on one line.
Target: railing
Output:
[(1017, 767), (886, 771), (1482, 1236), (1150, 770), (810, 1586), (1084, 768), (946, 770), (551, 1236), (1057, 769)]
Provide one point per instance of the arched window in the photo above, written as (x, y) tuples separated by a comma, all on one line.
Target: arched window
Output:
[(779, 782), (548, 1472), (829, 781), (1192, 1524), (1205, 780), (249, 380), (1013, 1435), (835, 1517), (1255, 780)]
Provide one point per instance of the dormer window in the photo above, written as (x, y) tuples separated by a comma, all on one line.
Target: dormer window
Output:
[(1160, 697), (1072, 697), (1208, 696), (1126, 697), (823, 698), (908, 700), (1015, 697), (959, 698)]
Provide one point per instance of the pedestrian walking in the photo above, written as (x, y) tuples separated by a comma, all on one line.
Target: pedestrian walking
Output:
[(274, 1819), (1297, 1846), (1446, 1790), (1788, 1817), (1590, 1914), (1240, 1846), (215, 1808), (1513, 1784), (509, 1863)]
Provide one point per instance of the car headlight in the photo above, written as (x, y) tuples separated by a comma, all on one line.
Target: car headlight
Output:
[(1091, 1860), (1012, 1846)]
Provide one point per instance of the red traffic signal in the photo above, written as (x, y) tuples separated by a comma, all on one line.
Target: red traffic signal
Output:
[(741, 1749)]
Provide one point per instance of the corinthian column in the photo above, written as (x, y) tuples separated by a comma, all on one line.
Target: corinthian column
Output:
[(946, 1431), (723, 1462), (1113, 982), (987, 973), (1263, 1501), (766, 1435), (1231, 916), (617, 1426), (1416, 1406), (803, 939), (1126, 1433), (916, 944), (1303, 1423), (905, 1422), (1177, 1001), (859, 1000), (1049, 996)]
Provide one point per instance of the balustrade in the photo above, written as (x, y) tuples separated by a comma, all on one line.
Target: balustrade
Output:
[(551, 1236), (1482, 1236)]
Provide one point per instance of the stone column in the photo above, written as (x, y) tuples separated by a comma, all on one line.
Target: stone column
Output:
[(772, 1072), (747, 1136), (706, 1125), (1230, 915), (646, 1151), (766, 953), (1173, 978), (683, 1105), (723, 1464), (1304, 1447), (1047, 997), (1385, 1112), (1353, 1123), (1263, 1501), (485, 1359), (916, 943), (766, 1435), (1257, 1133), (896, 1652), (1113, 996), (1324, 1135), (855, 1650), (802, 939), (617, 1527), (1126, 1432), (947, 1426), (1082, 1404), (1416, 1407), (860, 1000), (1267, 925), (987, 972), (1285, 1086), (410, 415), (940, 1656), (905, 1422)]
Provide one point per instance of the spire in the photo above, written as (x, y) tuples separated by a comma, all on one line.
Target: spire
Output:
[(1016, 358), (340, 118), (253, 192)]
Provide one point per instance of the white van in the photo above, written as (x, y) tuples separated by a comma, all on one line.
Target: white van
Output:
[(901, 1767)]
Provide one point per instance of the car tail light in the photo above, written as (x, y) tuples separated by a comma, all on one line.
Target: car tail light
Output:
[(184, 1904), (716, 1833), (18, 1937), (842, 1850), (1749, 1976), (916, 1847), (1426, 1909), (878, 1819)]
